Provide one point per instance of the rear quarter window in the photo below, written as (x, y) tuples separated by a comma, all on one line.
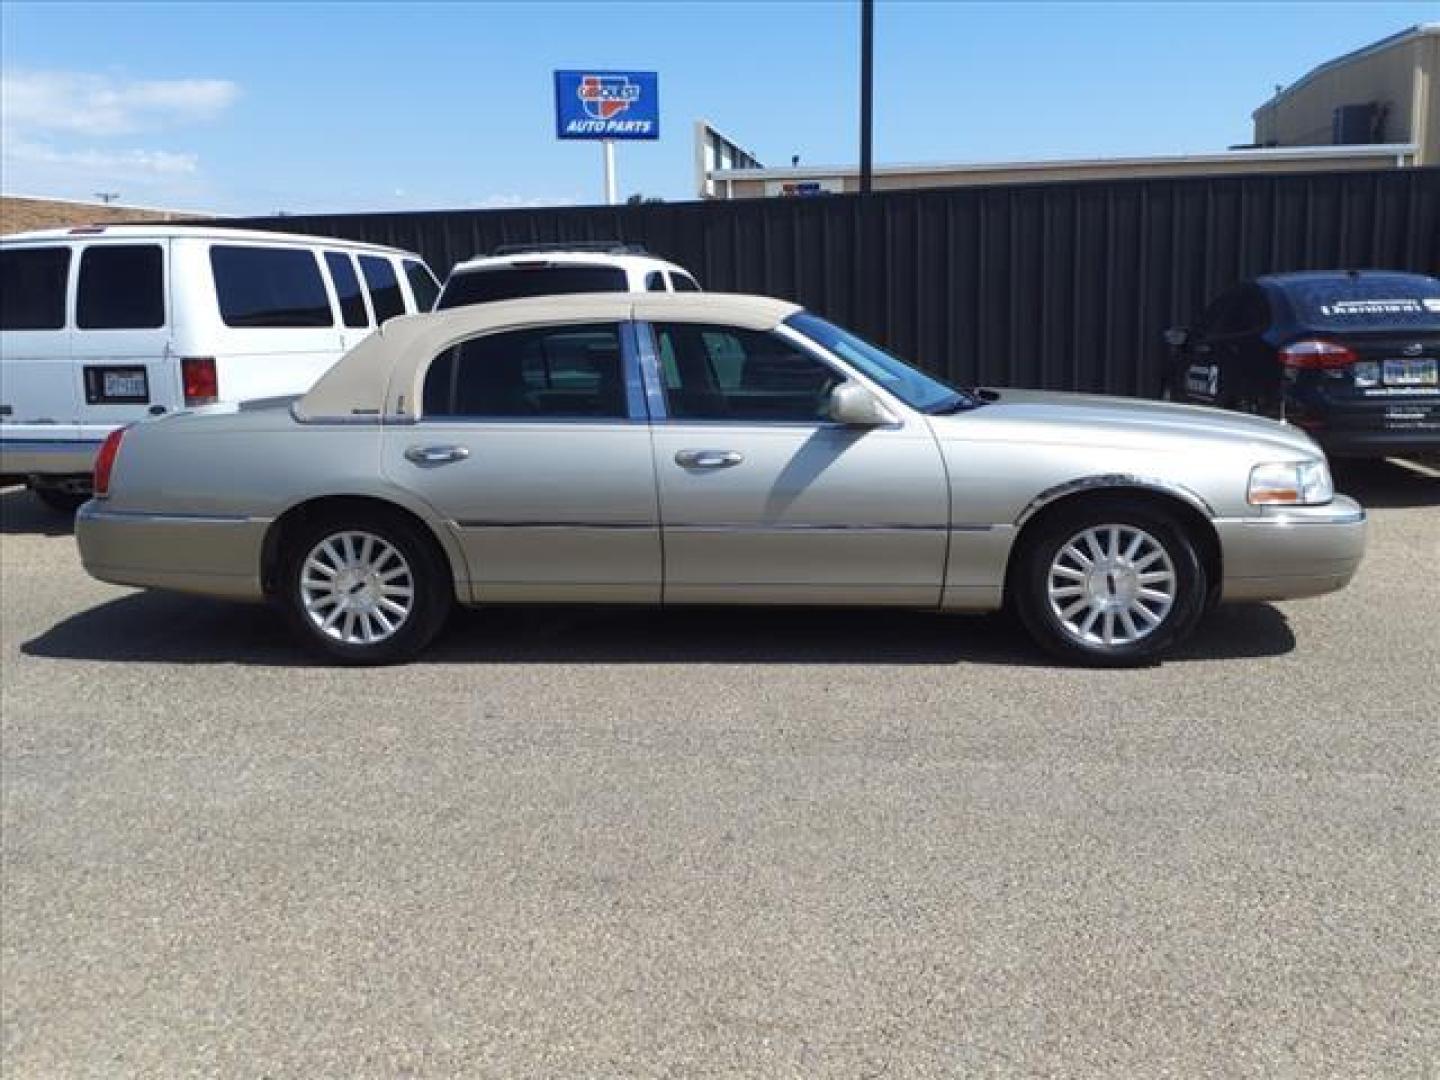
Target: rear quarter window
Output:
[(269, 287), (422, 284), (32, 288), (520, 280), (384, 287), (1384, 303)]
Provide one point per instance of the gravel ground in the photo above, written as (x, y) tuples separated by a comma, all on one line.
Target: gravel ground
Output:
[(634, 844)]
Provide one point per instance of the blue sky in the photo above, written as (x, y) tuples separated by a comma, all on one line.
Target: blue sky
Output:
[(254, 108)]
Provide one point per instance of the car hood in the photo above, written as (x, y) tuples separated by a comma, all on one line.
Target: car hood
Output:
[(1093, 420)]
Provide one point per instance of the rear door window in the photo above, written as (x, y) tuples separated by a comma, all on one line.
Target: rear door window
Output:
[(347, 288), (655, 282), (269, 287), (422, 284), (32, 288), (384, 287), (558, 373), (529, 279), (122, 287), (1383, 302)]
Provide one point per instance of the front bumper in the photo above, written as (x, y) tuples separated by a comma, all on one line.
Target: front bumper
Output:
[(213, 556), (1291, 552), (47, 457)]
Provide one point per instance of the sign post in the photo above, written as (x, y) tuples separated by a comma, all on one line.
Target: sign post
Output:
[(607, 106)]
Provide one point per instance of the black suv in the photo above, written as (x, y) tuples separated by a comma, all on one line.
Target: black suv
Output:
[(1350, 356)]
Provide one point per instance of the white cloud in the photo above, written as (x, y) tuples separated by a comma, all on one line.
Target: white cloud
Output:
[(99, 106), (112, 164)]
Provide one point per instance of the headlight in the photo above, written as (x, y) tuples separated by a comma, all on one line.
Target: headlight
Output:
[(1293, 483)]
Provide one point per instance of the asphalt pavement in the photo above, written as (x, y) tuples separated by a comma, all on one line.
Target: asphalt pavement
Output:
[(600, 843)]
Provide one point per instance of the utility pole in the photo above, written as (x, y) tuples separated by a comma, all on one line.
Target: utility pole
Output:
[(867, 89), (107, 197)]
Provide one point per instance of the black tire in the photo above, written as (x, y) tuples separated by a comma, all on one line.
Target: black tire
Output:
[(1035, 570), (428, 577), (60, 500)]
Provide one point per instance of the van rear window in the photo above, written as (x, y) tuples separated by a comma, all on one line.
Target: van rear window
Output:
[(537, 279), (122, 287), (1372, 302), (32, 288), (272, 287)]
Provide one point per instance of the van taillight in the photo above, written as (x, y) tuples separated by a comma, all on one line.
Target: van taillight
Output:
[(1316, 354), (201, 382), (105, 462)]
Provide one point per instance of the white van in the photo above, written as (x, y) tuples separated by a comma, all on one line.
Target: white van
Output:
[(104, 325)]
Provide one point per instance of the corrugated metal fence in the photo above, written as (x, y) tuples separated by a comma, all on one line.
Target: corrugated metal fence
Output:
[(1054, 285)]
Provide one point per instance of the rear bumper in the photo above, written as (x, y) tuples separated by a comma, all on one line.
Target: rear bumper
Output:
[(1291, 553), (47, 457), (213, 556)]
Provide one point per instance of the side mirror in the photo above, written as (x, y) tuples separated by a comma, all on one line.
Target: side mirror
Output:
[(854, 406), (1177, 336)]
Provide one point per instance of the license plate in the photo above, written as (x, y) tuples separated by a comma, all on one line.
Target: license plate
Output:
[(1403, 371), (116, 385)]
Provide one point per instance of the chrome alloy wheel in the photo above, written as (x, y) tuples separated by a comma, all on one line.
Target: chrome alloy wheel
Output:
[(356, 588), (1111, 585)]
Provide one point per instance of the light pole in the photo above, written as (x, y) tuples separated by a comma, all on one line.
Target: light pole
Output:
[(867, 88)]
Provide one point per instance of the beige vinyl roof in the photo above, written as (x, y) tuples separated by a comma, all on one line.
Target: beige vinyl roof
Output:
[(384, 375)]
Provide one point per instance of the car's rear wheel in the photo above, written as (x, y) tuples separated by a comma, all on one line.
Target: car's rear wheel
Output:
[(1111, 584), (364, 591)]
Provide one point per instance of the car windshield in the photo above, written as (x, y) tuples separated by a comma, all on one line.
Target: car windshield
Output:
[(1368, 302), (913, 387)]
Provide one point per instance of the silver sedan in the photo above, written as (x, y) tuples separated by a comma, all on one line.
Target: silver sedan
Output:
[(708, 449)]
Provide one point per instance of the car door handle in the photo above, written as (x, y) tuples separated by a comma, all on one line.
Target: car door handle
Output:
[(436, 455), (708, 459)]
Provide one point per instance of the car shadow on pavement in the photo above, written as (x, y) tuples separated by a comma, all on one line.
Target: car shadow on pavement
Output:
[(1388, 484), (22, 512), (154, 627)]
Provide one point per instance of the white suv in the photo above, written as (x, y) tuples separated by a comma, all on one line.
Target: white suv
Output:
[(551, 269)]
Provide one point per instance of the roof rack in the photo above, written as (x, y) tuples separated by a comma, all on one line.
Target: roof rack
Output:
[(596, 247)]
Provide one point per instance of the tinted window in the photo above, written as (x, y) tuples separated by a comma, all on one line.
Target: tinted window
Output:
[(384, 287), (724, 373), (655, 282), (347, 288), (122, 287), (557, 372), (1378, 302), (422, 284), (32, 288), (535, 279), (683, 282), (259, 286)]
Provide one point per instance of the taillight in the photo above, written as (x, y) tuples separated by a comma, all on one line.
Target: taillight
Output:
[(201, 381), (1316, 354), (105, 462)]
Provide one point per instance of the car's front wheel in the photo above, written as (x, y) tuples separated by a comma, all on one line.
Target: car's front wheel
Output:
[(363, 591), (1111, 584)]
